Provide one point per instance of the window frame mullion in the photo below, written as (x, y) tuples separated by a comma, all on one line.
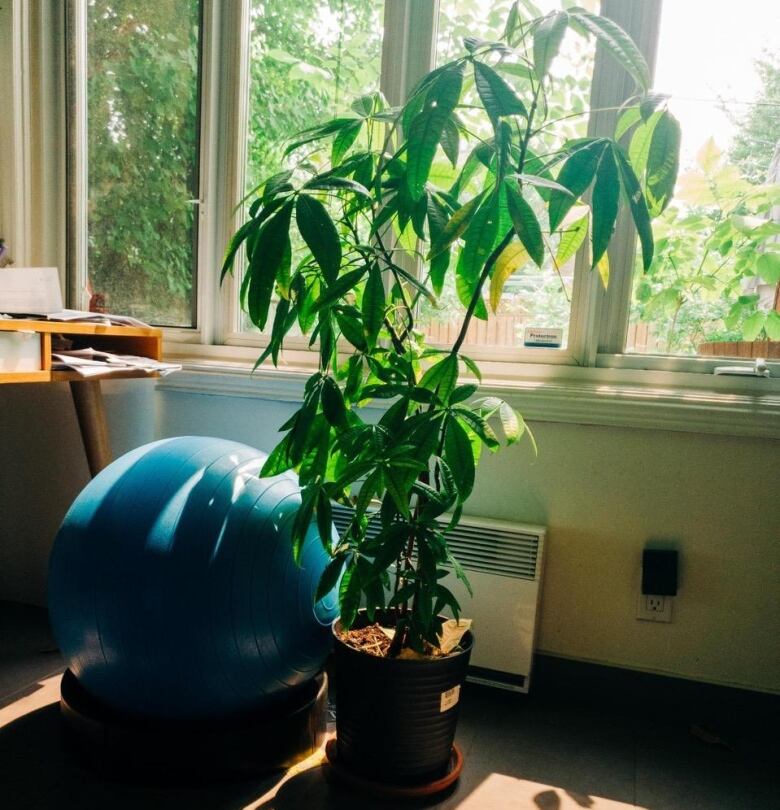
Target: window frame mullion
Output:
[(641, 19)]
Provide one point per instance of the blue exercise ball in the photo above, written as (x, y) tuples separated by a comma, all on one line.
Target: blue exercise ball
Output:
[(173, 592)]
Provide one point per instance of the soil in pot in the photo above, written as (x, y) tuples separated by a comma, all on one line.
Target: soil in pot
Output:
[(396, 717)]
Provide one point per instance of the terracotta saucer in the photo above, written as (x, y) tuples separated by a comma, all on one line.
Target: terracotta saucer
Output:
[(398, 791)]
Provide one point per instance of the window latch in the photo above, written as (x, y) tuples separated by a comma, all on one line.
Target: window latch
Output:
[(758, 369)]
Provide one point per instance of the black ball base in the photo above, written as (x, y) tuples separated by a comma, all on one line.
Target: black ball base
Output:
[(125, 746)]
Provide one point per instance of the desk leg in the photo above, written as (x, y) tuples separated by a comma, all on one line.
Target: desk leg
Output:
[(91, 413)]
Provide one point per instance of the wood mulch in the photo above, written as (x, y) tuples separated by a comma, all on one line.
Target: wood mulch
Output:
[(371, 640)]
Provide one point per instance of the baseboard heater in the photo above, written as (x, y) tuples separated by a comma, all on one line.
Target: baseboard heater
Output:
[(503, 561)]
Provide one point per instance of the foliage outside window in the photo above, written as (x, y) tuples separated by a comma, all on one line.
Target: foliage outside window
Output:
[(142, 157), (716, 271)]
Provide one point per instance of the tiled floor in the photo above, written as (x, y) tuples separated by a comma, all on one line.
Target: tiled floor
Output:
[(519, 754)]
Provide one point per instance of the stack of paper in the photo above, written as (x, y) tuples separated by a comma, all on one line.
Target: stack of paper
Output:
[(92, 363), (70, 315)]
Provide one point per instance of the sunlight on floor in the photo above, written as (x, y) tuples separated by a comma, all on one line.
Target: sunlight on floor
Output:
[(493, 793), (42, 694), (316, 760)]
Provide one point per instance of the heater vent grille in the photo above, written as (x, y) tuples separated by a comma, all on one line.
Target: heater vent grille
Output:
[(490, 547)]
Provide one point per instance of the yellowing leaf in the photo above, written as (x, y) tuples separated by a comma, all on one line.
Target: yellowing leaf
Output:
[(511, 259), (708, 155), (603, 267)]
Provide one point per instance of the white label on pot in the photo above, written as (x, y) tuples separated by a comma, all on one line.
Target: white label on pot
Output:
[(449, 698)]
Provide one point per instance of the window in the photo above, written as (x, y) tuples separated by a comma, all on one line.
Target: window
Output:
[(189, 106), (715, 280), (307, 62), (142, 157), (533, 297)]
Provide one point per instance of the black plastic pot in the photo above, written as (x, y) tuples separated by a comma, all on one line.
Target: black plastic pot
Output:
[(396, 718)]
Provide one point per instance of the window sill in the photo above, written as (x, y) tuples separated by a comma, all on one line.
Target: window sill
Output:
[(613, 397)]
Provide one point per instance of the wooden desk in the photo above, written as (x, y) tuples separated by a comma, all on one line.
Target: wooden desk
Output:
[(86, 393)]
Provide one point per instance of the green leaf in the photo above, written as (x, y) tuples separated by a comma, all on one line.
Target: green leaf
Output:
[(480, 237), (330, 578), (270, 251), (333, 405), (373, 307), (753, 325), (639, 148), (576, 175), (471, 366), (369, 104), (617, 42), (540, 182), (606, 196), (663, 162), (574, 229), (441, 377), (480, 426), (279, 460), (394, 481), (318, 231), (450, 141), (335, 183), (459, 457), (548, 36), (339, 288), (462, 393), (235, 243), (650, 103), (437, 221), (343, 141), (303, 519), (637, 204), (325, 521), (349, 595), (427, 127), (772, 325), (457, 224), (497, 96), (525, 223), (628, 118), (351, 326), (768, 267), (318, 132)]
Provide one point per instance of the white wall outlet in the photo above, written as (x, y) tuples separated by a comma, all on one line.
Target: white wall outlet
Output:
[(652, 608)]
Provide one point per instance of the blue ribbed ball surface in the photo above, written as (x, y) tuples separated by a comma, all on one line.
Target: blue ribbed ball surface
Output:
[(172, 588)]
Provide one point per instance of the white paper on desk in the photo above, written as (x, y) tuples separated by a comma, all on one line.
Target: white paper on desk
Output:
[(30, 290), (91, 362), (69, 315)]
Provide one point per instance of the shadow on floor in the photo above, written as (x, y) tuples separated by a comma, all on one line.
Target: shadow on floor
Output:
[(38, 771), (518, 755)]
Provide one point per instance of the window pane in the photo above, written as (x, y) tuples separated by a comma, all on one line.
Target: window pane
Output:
[(142, 101), (714, 280), (533, 297), (309, 59)]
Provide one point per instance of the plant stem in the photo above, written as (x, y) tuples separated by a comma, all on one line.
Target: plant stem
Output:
[(478, 291)]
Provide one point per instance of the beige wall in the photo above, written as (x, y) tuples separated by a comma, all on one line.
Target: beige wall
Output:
[(42, 469), (603, 492)]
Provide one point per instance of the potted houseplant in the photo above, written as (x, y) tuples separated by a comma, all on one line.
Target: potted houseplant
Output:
[(328, 244)]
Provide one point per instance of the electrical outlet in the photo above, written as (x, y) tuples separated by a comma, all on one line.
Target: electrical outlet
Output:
[(654, 608)]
